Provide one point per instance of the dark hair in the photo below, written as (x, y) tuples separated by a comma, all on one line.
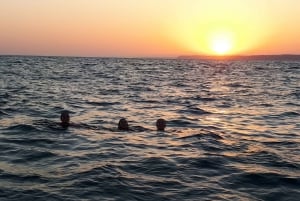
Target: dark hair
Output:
[(123, 124), (64, 113), (161, 124)]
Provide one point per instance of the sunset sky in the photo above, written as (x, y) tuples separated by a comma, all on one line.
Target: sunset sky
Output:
[(147, 28)]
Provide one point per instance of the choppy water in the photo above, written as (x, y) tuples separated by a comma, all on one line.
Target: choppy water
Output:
[(233, 130)]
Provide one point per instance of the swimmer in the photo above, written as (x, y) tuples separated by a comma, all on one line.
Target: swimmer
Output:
[(123, 125), (64, 123), (161, 124), (65, 119)]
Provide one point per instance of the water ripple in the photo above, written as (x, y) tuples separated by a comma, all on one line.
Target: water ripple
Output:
[(232, 129)]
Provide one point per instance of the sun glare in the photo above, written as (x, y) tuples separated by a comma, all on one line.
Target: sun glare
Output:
[(221, 44)]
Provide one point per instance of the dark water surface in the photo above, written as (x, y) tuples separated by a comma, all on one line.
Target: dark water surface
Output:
[(233, 130)]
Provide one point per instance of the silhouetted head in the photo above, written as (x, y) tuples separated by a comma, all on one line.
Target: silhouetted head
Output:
[(123, 124), (65, 118), (161, 124)]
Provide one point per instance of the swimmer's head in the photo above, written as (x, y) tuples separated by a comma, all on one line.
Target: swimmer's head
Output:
[(65, 117), (161, 124), (123, 124)]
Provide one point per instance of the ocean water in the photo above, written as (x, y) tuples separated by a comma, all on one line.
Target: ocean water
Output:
[(233, 129)]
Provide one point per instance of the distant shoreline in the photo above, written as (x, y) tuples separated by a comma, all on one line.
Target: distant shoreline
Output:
[(276, 57), (289, 57), (97, 57)]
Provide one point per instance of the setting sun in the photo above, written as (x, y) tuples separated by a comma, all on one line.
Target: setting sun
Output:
[(221, 44)]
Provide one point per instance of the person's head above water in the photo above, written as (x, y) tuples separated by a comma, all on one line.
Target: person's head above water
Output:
[(65, 118), (123, 124), (161, 124)]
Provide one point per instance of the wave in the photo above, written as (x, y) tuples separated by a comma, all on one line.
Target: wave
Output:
[(237, 85), (261, 179), (23, 127), (154, 165), (213, 163), (24, 178), (283, 115), (203, 135), (295, 94), (289, 114), (3, 113), (195, 110), (104, 103), (204, 99), (33, 155), (44, 142), (179, 122)]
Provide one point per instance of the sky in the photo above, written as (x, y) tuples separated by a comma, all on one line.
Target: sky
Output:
[(149, 28)]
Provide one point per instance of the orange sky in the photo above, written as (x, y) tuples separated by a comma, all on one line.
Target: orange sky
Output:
[(146, 28)]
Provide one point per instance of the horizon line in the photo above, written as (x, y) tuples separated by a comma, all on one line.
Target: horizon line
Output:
[(81, 56), (183, 56)]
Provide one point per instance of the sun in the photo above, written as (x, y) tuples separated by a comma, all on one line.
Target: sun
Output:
[(221, 43), (221, 46)]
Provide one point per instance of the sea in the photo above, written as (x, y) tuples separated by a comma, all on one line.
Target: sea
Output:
[(233, 129)]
